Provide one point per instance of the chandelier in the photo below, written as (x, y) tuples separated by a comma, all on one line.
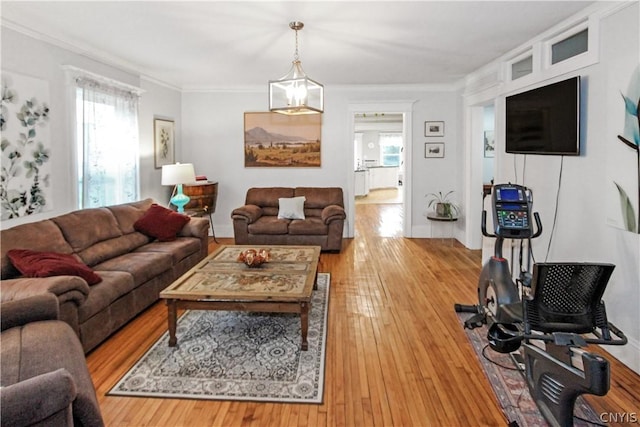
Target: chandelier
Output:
[(295, 93)]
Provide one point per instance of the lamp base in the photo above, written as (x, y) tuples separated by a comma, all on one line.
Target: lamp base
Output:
[(180, 199)]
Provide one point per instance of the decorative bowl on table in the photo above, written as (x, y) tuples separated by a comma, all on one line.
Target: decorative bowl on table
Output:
[(254, 258)]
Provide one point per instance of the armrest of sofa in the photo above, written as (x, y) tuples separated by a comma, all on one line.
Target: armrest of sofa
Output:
[(332, 212), (31, 309), (249, 213), (196, 227), (65, 288), (44, 397)]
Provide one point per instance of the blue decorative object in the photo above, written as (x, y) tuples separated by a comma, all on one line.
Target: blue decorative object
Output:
[(177, 175)]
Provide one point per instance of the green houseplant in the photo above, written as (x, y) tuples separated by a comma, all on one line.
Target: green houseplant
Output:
[(442, 204)]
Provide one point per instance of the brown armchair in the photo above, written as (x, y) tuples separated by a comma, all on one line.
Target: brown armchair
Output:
[(44, 375)]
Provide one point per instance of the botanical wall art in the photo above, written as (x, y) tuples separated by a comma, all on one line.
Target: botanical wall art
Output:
[(163, 142), (26, 146), (489, 144), (628, 184), (279, 140)]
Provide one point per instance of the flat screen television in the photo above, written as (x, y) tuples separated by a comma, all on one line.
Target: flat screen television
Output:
[(545, 120)]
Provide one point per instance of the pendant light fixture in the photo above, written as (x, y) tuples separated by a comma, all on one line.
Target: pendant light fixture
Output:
[(295, 93)]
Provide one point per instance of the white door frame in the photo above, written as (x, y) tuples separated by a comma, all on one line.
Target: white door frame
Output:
[(473, 111), (406, 109)]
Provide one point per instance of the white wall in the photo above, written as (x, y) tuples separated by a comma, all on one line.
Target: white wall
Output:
[(157, 102), (36, 58), (213, 141), (581, 233)]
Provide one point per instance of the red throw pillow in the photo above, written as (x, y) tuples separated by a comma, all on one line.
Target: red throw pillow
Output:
[(46, 264), (161, 223)]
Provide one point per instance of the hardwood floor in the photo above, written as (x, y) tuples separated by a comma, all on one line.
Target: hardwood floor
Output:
[(396, 353)]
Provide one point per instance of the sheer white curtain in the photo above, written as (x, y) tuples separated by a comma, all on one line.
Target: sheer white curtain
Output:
[(107, 139)]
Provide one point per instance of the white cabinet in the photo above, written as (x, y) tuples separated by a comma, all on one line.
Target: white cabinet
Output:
[(362, 183), (383, 177)]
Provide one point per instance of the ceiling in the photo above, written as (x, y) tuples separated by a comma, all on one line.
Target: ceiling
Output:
[(226, 44)]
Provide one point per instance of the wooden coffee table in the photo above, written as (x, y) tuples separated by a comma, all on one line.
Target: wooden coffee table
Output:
[(220, 282)]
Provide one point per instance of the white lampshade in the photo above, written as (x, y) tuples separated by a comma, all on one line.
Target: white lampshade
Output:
[(180, 173)]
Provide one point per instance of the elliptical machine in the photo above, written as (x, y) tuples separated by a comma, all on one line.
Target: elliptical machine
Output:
[(498, 294), (562, 302)]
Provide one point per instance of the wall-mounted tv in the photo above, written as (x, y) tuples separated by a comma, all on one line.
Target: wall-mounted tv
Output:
[(545, 120)]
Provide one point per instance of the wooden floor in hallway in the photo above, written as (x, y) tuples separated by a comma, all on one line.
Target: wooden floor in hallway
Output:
[(396, 352)]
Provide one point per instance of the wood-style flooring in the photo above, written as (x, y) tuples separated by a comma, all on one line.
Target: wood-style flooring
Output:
[(396, 353)]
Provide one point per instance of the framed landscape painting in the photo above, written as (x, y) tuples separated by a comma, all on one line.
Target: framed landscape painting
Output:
[(279, 140)]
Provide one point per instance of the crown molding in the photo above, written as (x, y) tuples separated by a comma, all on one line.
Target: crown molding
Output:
[(80, 49)]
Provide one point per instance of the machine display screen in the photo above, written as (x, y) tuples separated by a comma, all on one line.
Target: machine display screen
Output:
[(509, 194)]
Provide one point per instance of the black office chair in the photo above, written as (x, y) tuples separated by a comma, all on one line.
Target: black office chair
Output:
[(565, 302)]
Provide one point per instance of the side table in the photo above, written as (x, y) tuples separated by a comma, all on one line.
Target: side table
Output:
[(200, 213), (204, 195), (432, 216)]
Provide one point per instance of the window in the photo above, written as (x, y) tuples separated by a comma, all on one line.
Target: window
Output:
[(390, 149), (107, 144), (522, 67), (569, 47)]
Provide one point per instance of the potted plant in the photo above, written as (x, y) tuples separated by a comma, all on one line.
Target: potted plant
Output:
[(444, 207)]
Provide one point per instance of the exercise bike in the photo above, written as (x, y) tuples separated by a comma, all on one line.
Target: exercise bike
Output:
[(557, 305)]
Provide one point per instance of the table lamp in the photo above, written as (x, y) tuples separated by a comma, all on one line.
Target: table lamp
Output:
[(178, 174)]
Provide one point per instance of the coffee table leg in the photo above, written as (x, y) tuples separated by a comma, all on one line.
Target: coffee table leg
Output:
[(304, 324), (172, 315)]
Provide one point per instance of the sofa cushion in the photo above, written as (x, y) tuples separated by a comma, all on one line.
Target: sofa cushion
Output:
[(128, 213), (179, 249), (47, 264), (267, 197), (87, 227), (269, 225), (111, 248), (114, 285), (161, 223), (319, 197), (291, 207), (37, 236), (310, 226), (143, 266)]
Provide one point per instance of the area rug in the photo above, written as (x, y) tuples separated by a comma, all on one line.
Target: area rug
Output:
[(231, 355), (510, 386)]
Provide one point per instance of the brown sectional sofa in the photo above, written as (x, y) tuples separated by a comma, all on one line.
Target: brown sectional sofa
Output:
[(134, 267), (257, 222)]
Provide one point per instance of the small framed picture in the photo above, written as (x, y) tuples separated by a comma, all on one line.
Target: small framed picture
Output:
[(163, 142), (433, 128), (433, 150), (489, 144)]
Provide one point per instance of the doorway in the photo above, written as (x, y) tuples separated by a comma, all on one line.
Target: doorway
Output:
[(390, 158), (378, 158)]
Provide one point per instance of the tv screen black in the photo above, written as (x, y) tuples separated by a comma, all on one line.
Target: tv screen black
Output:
[(545, 120)]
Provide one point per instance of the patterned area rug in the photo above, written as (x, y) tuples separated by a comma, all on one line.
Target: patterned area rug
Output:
[(510, 387), (231, 355)]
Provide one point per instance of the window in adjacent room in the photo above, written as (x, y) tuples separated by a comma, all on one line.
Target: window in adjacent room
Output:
[(107, 143), (390, 149)]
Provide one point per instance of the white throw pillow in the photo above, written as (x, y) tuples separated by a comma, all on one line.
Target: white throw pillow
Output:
[(291, 208)]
